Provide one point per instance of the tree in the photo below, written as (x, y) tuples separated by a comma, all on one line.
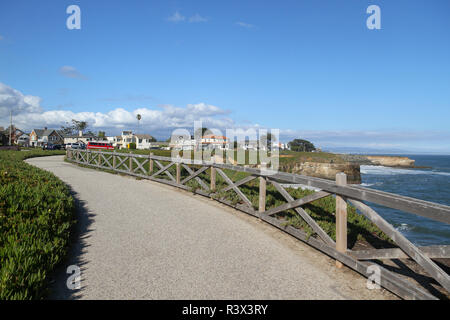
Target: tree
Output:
[(138, 117), (101, 134), (90, 133), (200, 131), (68, 129), (75, 127), (266, 140), (79, 125), (301, 145)]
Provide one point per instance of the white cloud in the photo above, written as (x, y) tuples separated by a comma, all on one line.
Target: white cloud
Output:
[(154, 121), (12, 99), (160, 122), (71, 72), (197, 18), (176, 17), (245, 25), (28, 114)]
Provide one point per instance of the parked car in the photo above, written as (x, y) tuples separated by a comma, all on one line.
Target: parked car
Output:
[(51, 146), (75, 145)]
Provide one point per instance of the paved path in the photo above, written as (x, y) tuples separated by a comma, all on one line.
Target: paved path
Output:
[(139, 239)]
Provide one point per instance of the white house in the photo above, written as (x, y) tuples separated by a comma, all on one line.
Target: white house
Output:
[(280, 146), (208, 142), (142, 141), (212, 141), (182, 143), (248, 145)]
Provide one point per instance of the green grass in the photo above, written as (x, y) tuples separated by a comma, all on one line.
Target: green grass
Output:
[(322, 210), (287, 157), (36, 216)]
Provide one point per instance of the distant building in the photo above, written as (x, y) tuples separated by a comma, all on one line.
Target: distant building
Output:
[(23, 140), (182, 143), (81, 137), (15, 133), (207, 142), (3, 138), (39, 137), (142, 141), (248, 145), (212, 141), (280, 146)]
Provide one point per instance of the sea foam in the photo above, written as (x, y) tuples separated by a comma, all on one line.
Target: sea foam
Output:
[(381, 170)]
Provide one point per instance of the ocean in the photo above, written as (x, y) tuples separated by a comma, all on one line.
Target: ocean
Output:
[(426, 184)]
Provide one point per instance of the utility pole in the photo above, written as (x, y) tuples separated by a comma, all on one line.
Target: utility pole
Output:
[(10, 126)]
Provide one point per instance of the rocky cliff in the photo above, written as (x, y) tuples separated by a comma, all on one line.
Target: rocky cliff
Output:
[(391, 161), (325, 170)]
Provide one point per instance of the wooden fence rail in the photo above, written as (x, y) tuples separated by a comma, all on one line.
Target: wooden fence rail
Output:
[(143, 166)]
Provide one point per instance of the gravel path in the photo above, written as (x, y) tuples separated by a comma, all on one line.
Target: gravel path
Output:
[(139, 239)]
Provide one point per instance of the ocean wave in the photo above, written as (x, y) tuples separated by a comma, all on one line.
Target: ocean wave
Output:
[(367, 184), (403, 227), (381, 170)]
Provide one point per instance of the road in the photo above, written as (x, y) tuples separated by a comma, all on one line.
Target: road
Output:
[(139, 239)]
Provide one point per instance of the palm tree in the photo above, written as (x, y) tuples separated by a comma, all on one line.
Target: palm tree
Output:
[(138, 117)]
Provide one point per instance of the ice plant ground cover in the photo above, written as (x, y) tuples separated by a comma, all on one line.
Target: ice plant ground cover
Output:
[(36, 216)]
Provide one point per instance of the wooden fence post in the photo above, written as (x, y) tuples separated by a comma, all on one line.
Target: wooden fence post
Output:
[(131, 161), (114, 159), (87, 157), (341, 218), (262, 191), (178, 170), (213, 179), (151, 164)]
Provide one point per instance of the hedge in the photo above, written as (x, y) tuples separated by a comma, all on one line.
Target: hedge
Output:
[(36, 216)]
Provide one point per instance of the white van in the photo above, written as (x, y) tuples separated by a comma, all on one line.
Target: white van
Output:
[(74, 146)]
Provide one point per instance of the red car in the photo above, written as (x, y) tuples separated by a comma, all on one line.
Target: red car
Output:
[(100, 145)]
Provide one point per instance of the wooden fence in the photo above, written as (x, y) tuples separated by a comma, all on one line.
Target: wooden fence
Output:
[(156, 168)]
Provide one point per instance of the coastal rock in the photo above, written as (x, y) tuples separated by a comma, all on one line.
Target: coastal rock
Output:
[(391, 161), (325, 170)]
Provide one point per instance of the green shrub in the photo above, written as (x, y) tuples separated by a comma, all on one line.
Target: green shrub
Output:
[(36, 215)]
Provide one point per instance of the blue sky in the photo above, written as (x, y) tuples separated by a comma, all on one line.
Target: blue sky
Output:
[(309, 68)]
